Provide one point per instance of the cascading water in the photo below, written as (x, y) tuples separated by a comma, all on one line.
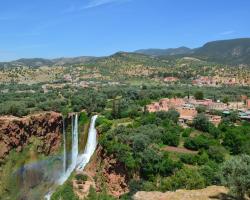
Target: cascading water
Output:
[(75, 143), (90, 146), (64, 149), (78, 161), (74, 153)]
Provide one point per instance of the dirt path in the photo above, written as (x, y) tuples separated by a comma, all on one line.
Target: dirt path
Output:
[(209, 193)]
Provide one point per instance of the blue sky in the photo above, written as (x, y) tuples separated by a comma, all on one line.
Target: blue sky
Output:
[(56, 28)]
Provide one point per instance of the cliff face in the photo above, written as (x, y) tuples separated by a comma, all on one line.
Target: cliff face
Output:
[(106, 171), (16, 132)]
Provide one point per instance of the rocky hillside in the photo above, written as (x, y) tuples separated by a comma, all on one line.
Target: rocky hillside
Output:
[(15, 132), (235, 51), (104, 172)]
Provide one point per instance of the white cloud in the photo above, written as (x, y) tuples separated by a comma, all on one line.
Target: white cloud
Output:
[(230, 32), (91, 4), (97, 3)]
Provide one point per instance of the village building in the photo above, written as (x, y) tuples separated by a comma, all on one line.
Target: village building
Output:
[(165, 104), (236, 105), (217, 106), (204, 102), (176, 102), (170, 79), (187, 114), (248, 103), (154, 107), (214, 119), (205, 80)]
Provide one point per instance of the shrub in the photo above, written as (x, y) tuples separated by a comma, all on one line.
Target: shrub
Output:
[(188, 159), (170, 138), (81, 177), (171, 115), (185, 178), (103, 124), (197, 143), (210, 172), (64, 192), (235, 174), (199, 95), (201, 123), (186, 132), (93, 195), (216, 153)]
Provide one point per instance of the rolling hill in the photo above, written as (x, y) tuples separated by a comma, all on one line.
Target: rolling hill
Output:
[(165, 52), (234, 51)]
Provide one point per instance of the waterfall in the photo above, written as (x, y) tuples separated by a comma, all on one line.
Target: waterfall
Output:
[(90, 146), (64, 149), (75, 142), (74, 153), (77, 161)]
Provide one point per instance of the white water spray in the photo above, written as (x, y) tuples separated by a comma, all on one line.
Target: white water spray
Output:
[(75, 143), (64, 149), (74, 153), (90, 146), (78, 161)]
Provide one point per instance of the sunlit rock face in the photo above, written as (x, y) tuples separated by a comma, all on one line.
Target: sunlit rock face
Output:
[(15, 133)]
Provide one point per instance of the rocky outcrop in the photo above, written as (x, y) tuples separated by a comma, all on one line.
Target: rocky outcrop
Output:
[(15, 133), (107, 171), (209, 193), (82, 188)]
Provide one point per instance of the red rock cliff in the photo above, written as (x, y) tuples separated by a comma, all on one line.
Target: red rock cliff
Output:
[(15, 132)]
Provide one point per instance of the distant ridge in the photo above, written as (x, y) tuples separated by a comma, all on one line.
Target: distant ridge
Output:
[(165, 52), (38, 62), (233, 51)]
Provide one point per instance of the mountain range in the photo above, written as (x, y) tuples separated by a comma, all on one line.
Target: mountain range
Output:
[(232, 52)]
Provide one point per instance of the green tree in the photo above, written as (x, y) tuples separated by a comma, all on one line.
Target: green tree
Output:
[(199, 95), (172, 115), (234, 141), (216, 153), (93, 195), (198, 142), (65, 192), (235, 174), (225, 100), (201, 123), (171, 138), (185, 178)]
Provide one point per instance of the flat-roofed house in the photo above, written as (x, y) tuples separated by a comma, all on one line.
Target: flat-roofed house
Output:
[(176, 102), (214, 119), (217, 106), (187, 113)]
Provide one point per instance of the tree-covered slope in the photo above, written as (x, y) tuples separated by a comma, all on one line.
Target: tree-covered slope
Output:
[(165, 52), (236, 51)]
